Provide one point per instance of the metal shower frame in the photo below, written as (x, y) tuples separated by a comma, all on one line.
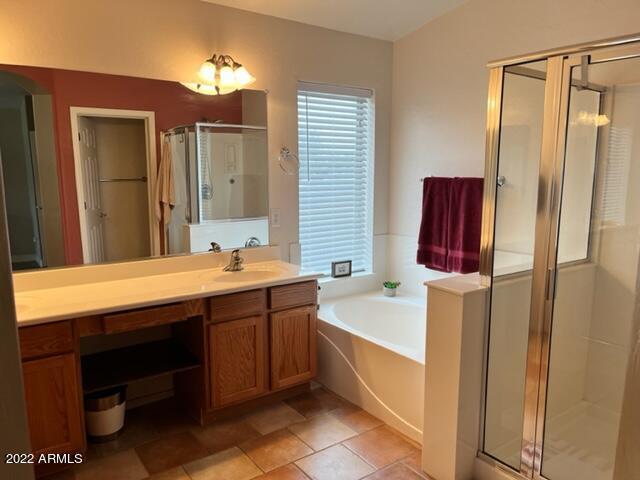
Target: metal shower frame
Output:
[(560, 63), (195, 195)]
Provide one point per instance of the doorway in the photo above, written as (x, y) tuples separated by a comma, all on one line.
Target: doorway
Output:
[(115, 177), (20, 171)]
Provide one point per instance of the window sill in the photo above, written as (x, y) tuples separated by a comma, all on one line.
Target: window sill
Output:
[(328, 279)]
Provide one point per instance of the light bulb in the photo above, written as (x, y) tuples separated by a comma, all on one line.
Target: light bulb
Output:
[(208, 72), (227, 78), (243, 77), (201, 88)]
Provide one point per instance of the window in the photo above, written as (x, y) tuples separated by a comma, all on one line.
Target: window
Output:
[(335, 145)]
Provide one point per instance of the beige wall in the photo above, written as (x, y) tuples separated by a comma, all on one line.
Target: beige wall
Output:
[(169, 39), (440, 82)]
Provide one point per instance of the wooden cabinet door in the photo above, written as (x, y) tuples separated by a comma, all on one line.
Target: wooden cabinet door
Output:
[(293, 346), (53, 404), (238, 360)]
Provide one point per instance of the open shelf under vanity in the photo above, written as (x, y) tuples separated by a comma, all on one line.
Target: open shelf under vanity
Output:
[(121, 366)]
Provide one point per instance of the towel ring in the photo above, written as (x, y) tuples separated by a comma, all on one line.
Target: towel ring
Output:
[(288, 161)]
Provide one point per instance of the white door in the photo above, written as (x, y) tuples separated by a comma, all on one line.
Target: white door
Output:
[(94, 216)]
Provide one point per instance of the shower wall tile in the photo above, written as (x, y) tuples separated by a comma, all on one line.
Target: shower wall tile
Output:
[(614, 306), (606, 368), (616, 283)]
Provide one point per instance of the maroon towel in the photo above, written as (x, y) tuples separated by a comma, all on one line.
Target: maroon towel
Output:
[(465, 225), (433, 236)]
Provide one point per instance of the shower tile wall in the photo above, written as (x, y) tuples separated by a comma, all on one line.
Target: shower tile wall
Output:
[(617, 272)]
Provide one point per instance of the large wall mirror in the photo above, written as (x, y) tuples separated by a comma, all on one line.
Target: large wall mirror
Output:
[(102, 168)]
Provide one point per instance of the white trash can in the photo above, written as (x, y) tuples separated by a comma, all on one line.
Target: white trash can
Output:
[(104, 413)]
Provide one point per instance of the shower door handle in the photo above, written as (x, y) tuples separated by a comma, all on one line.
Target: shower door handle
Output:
[(550, 284)]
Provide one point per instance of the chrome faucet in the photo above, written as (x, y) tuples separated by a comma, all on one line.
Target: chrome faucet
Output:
[(252, 242), (235, 263), (215, 247)]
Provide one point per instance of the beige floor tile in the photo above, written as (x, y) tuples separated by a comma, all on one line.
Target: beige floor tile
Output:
[(357, 419), (316, 402), (177, 473), (380, 446), (273, 417), (231, 464), (288, 472), (171, 451), (335, 463), (414, 462), (322, 431), (225, 434), (397, 471), (124, 465), (275, 449)]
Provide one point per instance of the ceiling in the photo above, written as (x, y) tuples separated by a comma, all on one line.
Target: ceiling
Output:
[(383, 19)]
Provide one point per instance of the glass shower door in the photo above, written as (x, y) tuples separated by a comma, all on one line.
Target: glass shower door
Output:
[(591, 428), (521, 122)]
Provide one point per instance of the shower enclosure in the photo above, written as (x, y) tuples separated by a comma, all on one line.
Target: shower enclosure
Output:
[(561, 251), (220, 178)]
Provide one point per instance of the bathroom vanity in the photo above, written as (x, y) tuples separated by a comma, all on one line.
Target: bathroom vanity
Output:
[(235, 339)]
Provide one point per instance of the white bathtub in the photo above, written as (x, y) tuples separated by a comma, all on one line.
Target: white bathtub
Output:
[(371, 351)]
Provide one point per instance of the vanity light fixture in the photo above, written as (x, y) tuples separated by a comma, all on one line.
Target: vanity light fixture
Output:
[(220, 75)]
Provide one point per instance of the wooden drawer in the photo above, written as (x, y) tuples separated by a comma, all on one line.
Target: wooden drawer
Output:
[(47, 339), (237, 305), (148, 317), (304, 293)]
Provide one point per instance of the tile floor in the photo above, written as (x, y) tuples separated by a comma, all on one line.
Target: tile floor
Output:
[(316, 435)]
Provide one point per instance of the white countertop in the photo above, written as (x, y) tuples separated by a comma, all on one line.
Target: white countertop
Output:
[(41, 305)]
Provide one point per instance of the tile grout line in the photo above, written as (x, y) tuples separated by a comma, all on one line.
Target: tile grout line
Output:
[(246, 454), (375, 469)]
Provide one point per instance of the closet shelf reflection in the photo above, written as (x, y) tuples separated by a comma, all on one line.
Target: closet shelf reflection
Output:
[(134, 179)]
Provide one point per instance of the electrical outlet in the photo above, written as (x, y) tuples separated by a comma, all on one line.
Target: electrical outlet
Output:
[(274, 217)]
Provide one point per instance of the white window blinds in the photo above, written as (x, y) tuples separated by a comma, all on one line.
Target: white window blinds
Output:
[(335, 145)]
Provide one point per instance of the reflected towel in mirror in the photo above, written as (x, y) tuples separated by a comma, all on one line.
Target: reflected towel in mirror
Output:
[(165, 192)]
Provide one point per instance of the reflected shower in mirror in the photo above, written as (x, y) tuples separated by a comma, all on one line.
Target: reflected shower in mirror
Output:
[(81, 154), (221, 171)]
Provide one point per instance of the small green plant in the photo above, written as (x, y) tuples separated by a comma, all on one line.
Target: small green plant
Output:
[(391, 284)]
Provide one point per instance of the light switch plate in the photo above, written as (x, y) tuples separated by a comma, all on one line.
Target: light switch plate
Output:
[(294, 253), (274, 217)]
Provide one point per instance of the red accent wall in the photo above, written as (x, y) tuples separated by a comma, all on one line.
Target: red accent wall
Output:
[(172, 103)]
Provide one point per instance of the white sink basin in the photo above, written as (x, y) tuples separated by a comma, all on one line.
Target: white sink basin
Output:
[(246, 276)]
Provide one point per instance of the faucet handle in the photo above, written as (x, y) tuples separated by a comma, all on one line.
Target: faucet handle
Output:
[(215, 247), (236, 254)]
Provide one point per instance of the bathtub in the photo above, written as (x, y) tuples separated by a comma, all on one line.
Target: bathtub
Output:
[(371, 351)]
